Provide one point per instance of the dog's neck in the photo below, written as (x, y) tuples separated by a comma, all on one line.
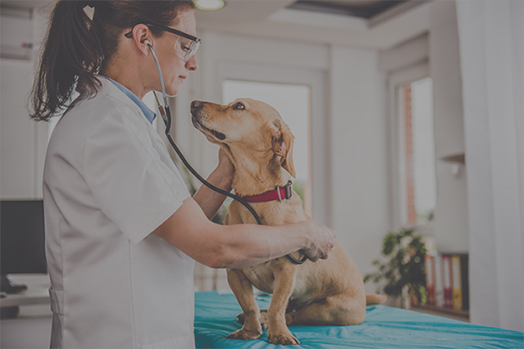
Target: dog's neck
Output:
[(252, 179)]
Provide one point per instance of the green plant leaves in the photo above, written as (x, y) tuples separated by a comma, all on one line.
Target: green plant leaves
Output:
[(404, 264)]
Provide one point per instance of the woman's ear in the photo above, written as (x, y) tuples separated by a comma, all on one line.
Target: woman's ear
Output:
[(282, 142), (142, 38)]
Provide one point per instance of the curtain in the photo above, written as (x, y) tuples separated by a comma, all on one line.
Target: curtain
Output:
[(491, 35)]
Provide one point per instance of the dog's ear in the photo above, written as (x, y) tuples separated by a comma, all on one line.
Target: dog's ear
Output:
[(282, 142)]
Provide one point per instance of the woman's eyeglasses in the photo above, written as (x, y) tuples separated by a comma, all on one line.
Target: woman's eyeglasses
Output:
[(185, 46)]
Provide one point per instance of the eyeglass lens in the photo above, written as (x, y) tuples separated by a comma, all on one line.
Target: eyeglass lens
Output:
[(186, 48)]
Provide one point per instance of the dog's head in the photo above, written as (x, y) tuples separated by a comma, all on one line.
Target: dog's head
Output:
[(251, 132)]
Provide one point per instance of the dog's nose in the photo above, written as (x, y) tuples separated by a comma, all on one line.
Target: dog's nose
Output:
[(196, 105)]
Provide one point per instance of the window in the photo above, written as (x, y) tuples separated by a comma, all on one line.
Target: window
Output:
[(416, 150), (293, 102)]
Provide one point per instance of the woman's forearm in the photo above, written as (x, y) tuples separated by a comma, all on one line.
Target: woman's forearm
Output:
[(243, 245), (249, 244)]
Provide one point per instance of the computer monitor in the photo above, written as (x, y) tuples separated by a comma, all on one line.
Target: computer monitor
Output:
[(22, 239)]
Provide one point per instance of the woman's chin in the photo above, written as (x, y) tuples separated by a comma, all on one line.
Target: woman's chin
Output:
[(172, 92), (173, 89)]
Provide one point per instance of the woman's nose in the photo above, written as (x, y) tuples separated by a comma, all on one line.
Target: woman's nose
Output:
[(192, 63)]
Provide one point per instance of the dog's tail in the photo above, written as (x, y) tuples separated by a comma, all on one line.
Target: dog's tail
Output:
[(372, 299)]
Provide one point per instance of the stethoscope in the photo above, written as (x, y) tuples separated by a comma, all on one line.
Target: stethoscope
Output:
[(166, 116)]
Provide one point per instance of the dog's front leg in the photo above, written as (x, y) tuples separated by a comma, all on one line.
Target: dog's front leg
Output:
[(284, 273), (243, 290)]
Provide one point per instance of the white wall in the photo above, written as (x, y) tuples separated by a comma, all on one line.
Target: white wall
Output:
[(17, 138), (451, 212), (359, 143), (22, 141), (492, 61)]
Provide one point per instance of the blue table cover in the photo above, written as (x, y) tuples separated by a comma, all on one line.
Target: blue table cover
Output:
[(384, 327)]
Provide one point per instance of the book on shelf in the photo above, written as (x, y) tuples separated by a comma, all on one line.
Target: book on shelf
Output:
[(447, 283), (430, 278), (439, 290), (464, 267), (456, 282), (446, 273)]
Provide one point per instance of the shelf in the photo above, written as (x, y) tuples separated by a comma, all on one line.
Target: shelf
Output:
[(37, 291), (449, 311), (456, 158), (36, 294)]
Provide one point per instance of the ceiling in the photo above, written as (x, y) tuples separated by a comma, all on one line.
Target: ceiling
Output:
[(356, 8), (375, 24)]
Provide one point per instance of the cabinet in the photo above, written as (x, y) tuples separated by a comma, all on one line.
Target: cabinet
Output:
[(32, 328)]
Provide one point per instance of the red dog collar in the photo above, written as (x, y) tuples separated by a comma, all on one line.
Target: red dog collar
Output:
[(279, 193)]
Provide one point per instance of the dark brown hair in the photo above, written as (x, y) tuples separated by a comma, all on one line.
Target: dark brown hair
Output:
[(77, 48)]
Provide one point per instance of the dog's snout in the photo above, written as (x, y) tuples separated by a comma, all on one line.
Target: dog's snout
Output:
[(196, 106)]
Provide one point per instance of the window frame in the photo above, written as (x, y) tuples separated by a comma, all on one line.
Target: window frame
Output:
[(395, 80)]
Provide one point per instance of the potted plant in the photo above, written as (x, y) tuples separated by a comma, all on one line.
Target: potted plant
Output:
[(402, 268)]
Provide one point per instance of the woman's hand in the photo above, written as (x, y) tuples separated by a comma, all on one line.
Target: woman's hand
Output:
[(322, 240), (222, 177), (225, 169)]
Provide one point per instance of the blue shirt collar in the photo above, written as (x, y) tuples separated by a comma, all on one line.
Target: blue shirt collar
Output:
[(150, 115)]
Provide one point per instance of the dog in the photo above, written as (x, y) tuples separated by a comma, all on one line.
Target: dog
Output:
[(327, 292)]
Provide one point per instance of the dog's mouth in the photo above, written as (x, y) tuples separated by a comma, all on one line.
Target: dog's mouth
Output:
[(198, 125)]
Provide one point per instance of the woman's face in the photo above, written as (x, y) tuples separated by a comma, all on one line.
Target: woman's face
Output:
[(174, 68)]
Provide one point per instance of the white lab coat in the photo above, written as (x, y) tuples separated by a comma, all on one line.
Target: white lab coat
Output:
[(108, 184)]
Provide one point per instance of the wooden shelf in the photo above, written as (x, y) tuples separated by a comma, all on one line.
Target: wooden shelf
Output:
[(449, 311)]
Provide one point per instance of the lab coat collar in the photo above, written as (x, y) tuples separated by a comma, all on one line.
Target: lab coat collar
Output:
[(128, 96)]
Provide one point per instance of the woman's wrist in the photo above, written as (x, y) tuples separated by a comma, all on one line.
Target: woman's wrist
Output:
[(221, 179), (305, 230)]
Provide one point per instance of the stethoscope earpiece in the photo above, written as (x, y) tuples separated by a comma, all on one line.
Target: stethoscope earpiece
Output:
[(147, 42)]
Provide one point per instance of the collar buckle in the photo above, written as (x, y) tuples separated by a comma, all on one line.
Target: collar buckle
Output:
[(288, 191)]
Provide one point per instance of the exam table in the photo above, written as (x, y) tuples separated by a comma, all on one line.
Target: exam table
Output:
[(384, 327)]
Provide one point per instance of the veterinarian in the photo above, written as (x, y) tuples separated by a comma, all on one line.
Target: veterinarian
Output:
[(122, 231)]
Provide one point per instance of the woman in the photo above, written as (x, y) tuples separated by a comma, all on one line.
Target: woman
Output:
[(122, 230)]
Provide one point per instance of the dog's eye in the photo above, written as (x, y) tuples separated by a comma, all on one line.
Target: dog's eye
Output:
[(239, 106)]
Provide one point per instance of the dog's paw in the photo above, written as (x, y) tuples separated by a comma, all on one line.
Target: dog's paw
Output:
[(283, 338), (244, 334), (263, 318)]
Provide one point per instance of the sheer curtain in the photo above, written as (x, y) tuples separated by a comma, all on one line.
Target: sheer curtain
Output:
[(491, 37)]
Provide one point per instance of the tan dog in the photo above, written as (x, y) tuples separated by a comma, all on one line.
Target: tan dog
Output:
[(326, 292)]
